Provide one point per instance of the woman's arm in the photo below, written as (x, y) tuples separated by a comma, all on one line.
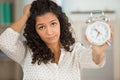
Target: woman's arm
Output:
[(19, 24), (98, 53), (9, 39), (85, 57)]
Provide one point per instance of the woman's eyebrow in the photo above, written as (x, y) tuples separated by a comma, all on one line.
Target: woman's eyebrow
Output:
[(44, 24), (39, 24)]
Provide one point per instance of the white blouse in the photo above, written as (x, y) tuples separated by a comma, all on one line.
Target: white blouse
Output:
[(68, 68)]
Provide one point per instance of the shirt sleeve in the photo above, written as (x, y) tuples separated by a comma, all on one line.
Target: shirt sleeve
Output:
[(12, 46), (85, 57)]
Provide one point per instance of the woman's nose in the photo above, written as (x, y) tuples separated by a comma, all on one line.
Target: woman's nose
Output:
[(49, 31)]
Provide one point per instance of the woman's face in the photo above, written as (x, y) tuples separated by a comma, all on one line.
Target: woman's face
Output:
[(48, 28)]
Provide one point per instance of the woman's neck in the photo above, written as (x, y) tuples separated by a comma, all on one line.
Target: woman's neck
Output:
[(55, 48)]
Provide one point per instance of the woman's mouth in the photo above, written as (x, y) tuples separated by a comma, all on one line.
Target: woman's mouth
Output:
[(51, 38)]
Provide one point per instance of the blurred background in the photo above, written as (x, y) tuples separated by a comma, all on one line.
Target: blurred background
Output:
[(78, 11)]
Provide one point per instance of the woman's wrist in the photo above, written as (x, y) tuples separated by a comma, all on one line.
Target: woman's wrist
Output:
[(97, 57), (25, 17), (19, 24)]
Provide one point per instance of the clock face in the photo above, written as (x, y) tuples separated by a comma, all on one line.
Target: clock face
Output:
[(98, 33)]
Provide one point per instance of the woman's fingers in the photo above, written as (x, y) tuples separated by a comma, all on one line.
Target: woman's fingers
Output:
[(26, 10)]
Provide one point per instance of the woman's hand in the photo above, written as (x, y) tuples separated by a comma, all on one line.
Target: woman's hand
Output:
[(26, 10), (98, 51), (19, 24)]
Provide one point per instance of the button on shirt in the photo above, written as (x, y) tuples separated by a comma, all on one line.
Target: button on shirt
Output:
[(68, 68)]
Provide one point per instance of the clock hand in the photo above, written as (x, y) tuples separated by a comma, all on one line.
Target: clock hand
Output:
[(97, 35), (98, 32)]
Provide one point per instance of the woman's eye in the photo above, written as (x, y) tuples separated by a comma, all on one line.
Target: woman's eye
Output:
[(42, 27), (54, 23)]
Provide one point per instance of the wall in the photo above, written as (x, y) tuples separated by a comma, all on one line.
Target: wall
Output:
[(112, 68), (83, 5), (107, 72)]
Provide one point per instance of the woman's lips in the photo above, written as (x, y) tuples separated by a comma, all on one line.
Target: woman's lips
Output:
[(51, 38)]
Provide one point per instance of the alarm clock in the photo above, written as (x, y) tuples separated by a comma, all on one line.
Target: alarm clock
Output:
[(98, 31)]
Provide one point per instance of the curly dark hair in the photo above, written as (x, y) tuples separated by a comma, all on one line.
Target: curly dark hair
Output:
[(41, 53)]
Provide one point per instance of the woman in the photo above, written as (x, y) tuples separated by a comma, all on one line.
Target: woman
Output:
[(50, 51)]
